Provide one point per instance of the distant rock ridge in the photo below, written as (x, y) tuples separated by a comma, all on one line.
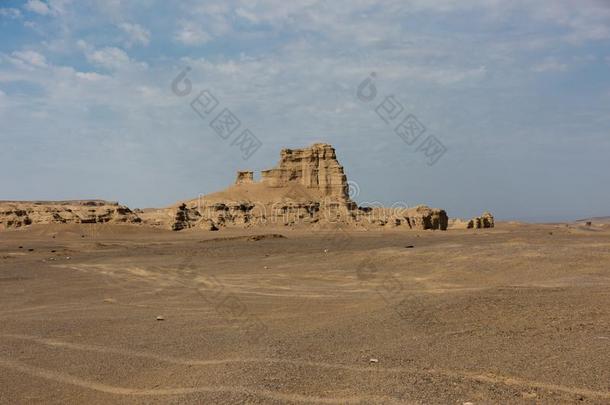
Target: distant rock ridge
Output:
[(88, 203), (16, 214)]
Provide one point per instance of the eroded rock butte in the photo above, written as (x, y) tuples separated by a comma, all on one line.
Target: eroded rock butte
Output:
[(308, 188)]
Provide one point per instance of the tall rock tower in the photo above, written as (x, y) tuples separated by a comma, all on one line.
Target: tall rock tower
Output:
[(315, 167)]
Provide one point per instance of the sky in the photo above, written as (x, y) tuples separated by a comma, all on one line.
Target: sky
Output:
[(513, 96)]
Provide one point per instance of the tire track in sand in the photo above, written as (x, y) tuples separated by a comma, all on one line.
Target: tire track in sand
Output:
[(488, 378), (114, 390)]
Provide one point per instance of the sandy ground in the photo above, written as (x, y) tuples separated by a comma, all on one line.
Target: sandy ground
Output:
[(517, 314)]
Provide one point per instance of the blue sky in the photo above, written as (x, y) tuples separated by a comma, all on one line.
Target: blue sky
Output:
[(518, 92)]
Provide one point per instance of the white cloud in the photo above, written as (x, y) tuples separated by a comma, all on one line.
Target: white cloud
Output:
[(38, 7), (59, 7), (550, 65), (191, 33), (587, 20), (109, 57), (51, 7), (247, 15), (34, 26), (137, 35), (91, 76), (29, 59), (83, 45), (10, 12)]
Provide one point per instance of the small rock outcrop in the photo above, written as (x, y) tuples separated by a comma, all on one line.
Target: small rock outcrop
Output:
[(423, 217), (486, 220), (246, 177), (184, 218)]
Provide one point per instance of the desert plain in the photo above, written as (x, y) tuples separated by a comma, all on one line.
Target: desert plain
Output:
[(98, 313)]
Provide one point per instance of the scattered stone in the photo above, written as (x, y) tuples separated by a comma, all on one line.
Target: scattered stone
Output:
[(160, 318), (374, 361), (68, 258), (409, 246), (30, 250), (325, 250)]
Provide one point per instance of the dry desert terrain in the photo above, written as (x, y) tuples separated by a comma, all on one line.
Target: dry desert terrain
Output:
[(123, 314)]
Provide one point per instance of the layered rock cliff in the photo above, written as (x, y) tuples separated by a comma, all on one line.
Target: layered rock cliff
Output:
[(316, 168), (16, 214)]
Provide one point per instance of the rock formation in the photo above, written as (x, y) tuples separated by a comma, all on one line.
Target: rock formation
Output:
[(308, 188), (315, 168), (244, 177), (484, 221), (15, 214)]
